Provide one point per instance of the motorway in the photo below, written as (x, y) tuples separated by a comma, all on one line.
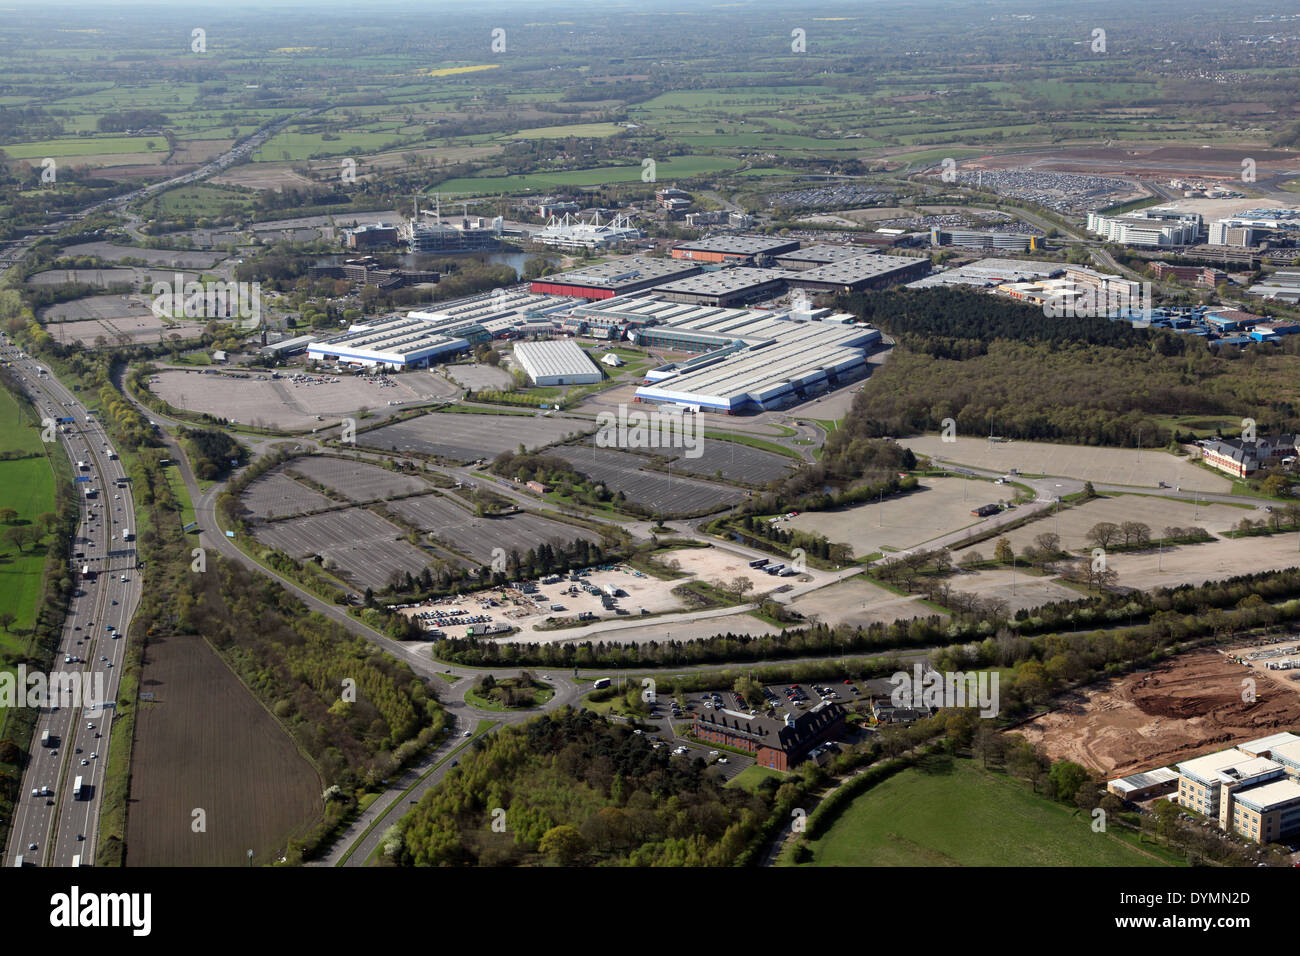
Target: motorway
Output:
[(54, 829)]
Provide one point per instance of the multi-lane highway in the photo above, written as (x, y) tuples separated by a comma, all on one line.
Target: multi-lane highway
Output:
[(52, 825)]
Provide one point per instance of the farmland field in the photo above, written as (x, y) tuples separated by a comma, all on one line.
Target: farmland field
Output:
[(27, 486), (961, 815), (205, 742)]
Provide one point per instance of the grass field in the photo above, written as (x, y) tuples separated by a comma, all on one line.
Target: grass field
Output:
[(560, 132), (957, 814), (87, 146), (678, 167), (751, 777), (27, 486), (177, 484)]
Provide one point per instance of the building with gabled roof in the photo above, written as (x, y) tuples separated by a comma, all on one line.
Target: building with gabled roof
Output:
[(777, 743)]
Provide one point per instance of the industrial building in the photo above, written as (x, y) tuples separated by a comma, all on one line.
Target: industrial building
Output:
[(871, 271), (561, 362), (752, 359), (393, 342), (1282, 285), (423, 336), (286, 347), (989, 273), (1250, 789), (726, 286), (1144, 786), (1158, 228), (1079, 291), (609, 279), (819, 254), (776, 743), (984, 239), (735, 249)]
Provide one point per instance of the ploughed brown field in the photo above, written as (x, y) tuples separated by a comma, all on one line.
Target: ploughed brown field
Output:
[(1182, 709), (205, 743)]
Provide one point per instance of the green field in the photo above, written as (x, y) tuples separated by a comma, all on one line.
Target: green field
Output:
[(679, 167), (751, 777), (87, 146), (177, 485), (588, 130), (962, 815), (27, 486), (197, 201)]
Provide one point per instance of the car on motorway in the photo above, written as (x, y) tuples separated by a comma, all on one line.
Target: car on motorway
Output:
[(85, 762), (465, 734)]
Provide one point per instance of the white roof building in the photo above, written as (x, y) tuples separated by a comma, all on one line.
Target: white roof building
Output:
[(558, 362)]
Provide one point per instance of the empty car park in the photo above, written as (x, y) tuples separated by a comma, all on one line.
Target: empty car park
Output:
[(366, 548), (459, 528), (670, 494), (356, 480), (463, 437)]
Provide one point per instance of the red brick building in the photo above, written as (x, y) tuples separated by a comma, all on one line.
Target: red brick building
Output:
[(778, 744), (1201, 276)]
